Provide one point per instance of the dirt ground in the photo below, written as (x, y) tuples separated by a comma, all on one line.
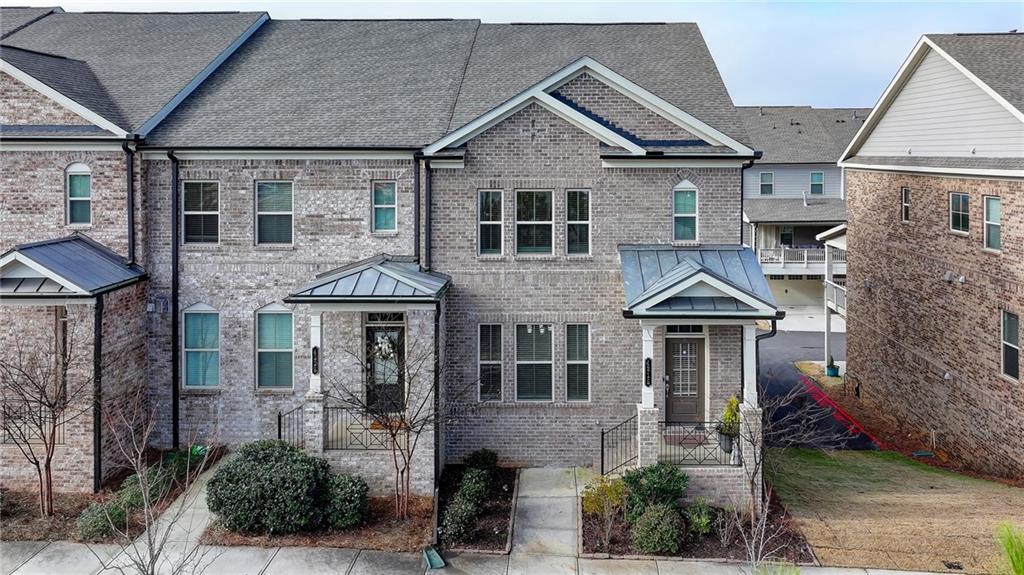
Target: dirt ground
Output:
[(19, 515), (880, 509)]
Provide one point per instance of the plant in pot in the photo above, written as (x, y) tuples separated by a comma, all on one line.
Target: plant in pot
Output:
[(729, 427), (831, 370)]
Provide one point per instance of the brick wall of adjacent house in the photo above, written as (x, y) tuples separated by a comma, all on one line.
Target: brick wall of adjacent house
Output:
[(331, 206), (912, 327), (27, 340), (533, 149), (20, 104)]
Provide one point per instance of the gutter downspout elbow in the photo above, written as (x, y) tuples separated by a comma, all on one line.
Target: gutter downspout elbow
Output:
[(129, 160), (757, 344), (175, 289), (746, 165)]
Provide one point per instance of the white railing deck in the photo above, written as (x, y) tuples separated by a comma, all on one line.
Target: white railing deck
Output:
[(798, 257), (835, 295)]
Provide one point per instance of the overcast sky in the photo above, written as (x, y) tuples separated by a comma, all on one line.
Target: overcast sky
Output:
[(833, 54)]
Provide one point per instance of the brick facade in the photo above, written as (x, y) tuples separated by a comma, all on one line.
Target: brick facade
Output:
[(911, 327), (20, 105)]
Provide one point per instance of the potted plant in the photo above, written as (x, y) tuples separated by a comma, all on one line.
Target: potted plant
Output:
[(729, 427), (831, 369)]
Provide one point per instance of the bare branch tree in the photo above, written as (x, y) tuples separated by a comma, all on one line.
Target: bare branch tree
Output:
[(44, 388)]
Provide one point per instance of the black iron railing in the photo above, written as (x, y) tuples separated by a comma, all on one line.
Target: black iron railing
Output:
[(291, 426), (22, 422), (618, 446), (344, 429), (697, 443)]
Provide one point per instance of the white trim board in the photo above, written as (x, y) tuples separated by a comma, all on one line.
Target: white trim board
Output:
[(703, 284), (259, 154), (42, 270), (673, 163), (935, 170)]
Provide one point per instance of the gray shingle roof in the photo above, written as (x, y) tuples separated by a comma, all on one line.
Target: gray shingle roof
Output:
[(996, 59), (77, 259), (648, 270), (382, 83), (801, 134), (16, 18), (941, 162), (382, 277), (142, 60), (51, 130), (793, 210)]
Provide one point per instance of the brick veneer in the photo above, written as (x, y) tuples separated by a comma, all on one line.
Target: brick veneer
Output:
[(911, 327), (21, 105)]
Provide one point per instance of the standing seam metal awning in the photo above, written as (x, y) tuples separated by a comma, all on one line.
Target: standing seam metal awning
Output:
[(380, 278), (74, 266)]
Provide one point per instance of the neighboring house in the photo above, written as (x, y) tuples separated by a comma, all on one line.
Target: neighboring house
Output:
[(794, 192), (558, 240), (935, 181)]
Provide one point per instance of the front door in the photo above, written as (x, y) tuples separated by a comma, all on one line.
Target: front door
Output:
[(684, 386)]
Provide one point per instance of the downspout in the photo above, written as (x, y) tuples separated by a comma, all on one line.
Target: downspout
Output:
[(416, 207), (175, 367), (129, 160), (428, 184), (97, 386), (757, 346), (744, 168)]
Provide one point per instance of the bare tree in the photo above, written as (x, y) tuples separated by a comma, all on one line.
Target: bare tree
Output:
[(46, 387), (160, 548), (394, 395)]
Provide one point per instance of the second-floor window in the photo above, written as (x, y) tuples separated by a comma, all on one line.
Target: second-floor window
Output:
[(201, 212), (533, 222), (817, 183), (385, 207), (490, 222), (79, 187), (786, 236), (273, 212), (1010, 345), (577, 222), (993, 223), (767, 183), (904, 204), (959, 212), (684, 215)]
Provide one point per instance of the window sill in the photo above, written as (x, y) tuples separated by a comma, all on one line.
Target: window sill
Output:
[(389, 234), (274, 391), (274, 247), (991, 251), (187, 391), (78, 226), (536, 257), (966, 234), (579, 257), (201, 246), (686, 243), (491, 257)]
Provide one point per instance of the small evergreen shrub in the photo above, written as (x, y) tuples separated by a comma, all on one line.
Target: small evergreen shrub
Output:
[(698, 518), (459, 522), (270, 486), (730, 424), (661, 483), (605, 498), (348, 501), (474, 486), (95, 521), (658, 530), (158, 480), (482, 459)]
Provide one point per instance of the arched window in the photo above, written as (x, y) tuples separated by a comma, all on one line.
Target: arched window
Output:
[(201, 347), (78, 183), (684, 212)]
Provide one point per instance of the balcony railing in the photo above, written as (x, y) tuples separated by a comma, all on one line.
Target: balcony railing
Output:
[(798, 257), (835, 295), (697, 443)]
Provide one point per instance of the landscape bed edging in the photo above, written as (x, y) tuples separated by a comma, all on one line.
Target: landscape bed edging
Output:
[(511, 528)]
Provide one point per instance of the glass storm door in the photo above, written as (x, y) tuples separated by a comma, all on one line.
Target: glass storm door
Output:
[(684, 386)]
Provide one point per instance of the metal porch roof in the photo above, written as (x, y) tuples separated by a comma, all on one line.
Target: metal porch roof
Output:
[(382, 277), (74, 265)]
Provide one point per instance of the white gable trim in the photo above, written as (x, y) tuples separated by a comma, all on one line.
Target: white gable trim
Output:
[(981, 172), (61, 99), (540, 93), (695, 282), (43, 271), (921, 49)]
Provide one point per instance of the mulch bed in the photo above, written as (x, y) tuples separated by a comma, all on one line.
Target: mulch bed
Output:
[(492, 527), (22, 521), (795, 548), (381, 531)]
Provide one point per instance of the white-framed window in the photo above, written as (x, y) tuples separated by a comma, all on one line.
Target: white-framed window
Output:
[(817, 183), (993, 223), (577, 222), (275, 352), (534, 224), (201, 211), (767, 183), (684, 214), (489, 362), (385, 207), (489, 210), (577, 362), (78, 182), (274, 212), (533, 362), (959, 212), (904, 204), (201, 349), (786, 236), (1010, 345)]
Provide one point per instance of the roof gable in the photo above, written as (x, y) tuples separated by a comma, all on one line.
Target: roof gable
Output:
[(382, 277), (70, 266)]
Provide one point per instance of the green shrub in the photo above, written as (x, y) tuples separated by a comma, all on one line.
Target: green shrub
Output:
[(474, 486), (95, 521), (348, 501), (1011, 540), (661, 483), (698, 518), (270, 486), (730, 424), (186, 460), (605, 497), (158, 480), (459, 522), (658, 530), (482, 459)]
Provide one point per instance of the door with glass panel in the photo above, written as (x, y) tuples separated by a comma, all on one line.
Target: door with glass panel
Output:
[(684, 381), (385, 351)]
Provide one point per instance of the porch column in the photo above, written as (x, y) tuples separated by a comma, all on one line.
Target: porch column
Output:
[(750, 365), (828, 312), (315, 353), (648, 420), (647, 377)]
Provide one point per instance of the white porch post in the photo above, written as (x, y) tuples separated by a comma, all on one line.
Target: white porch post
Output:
[(750, 365), (648, 416), (828, 311), (647, 387), (315, 352)]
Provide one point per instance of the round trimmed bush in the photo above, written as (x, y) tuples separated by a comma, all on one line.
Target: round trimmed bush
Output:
[(349, 502), (658, 530), (661, 483), (270, 487)]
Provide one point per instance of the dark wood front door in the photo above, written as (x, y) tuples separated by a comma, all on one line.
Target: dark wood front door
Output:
[(684, 386)]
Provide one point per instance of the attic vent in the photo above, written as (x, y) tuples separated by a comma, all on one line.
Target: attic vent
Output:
[(793, 122)]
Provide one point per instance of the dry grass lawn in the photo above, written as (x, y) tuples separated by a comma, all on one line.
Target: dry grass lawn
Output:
[(880, 509), (816, 371)]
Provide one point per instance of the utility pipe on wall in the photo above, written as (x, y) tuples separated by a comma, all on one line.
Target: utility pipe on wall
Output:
[(175, 359)]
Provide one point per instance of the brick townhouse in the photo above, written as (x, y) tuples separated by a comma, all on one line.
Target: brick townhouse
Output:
[(934, 184), (544, 219)]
